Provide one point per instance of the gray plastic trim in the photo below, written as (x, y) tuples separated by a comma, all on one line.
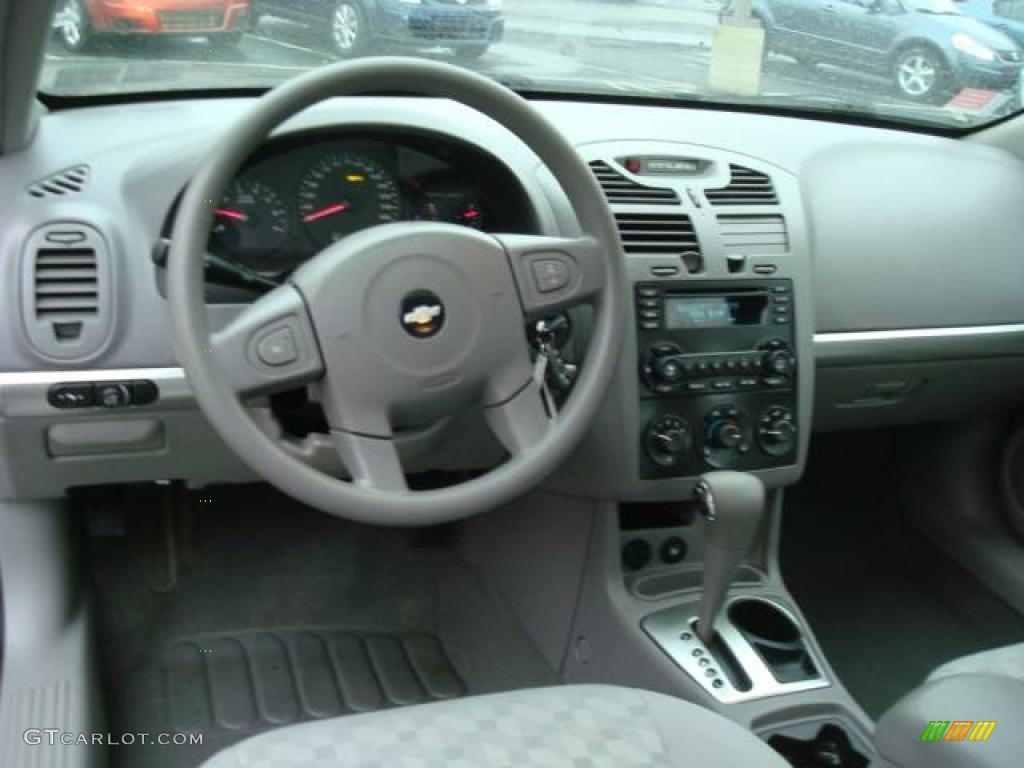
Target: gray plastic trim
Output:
[(673, 631), (918, 344)]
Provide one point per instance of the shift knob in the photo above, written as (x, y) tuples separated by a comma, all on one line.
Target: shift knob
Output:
[(732, 504)]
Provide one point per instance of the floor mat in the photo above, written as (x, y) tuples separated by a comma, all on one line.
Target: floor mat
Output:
[(887, 606), (275, 613)]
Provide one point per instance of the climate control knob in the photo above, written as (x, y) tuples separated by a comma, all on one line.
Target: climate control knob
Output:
[(777, 432), (725, 434), (668, 440)]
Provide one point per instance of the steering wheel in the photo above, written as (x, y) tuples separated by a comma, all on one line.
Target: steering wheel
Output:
[(412, 317)]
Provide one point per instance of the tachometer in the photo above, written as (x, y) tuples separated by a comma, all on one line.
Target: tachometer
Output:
[(251, 224), (344, 193)]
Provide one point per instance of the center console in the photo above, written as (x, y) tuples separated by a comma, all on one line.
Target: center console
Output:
[(717, 367)]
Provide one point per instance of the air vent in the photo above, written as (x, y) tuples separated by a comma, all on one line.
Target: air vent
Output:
[(66, 291), (70, 181), (621, 191), (661, 234), (754, 234), (746, 187)]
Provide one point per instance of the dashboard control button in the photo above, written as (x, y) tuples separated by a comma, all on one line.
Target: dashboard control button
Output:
[(67, 396), (765, 269), (773, 381), (113, 395), (668, 440), (777, 432), (278, 347), (723, 385), (672, 550), (648, 293), (550, 275), (637, 554), (726, 435), (747, 383), (697, 386)]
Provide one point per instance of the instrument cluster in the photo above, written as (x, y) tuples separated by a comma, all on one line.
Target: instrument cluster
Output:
[(300, 195)]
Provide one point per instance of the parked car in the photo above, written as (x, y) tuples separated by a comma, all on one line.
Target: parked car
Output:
[(80, 22), (468, 27), (928, 47), (1005, 15)]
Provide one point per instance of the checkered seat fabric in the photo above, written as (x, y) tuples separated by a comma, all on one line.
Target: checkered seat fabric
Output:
[(564, 727)]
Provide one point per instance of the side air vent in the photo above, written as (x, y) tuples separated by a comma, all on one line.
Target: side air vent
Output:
[(662, 234), (621, 191), (66, 291), (70, 181), (746, 187), (754, 234)]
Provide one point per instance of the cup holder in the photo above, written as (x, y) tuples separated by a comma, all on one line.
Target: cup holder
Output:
[(776, 638), (764, 621)]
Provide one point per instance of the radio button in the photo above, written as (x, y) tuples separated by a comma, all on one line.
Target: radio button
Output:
[(650, 325), (650, 304), (773, 381), (723, 385), (697, 386), (747, 383), (648, 293)]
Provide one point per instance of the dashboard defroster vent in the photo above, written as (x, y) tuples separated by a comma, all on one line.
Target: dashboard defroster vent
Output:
[(659, 234), (750, 234), (70, 181), (746, 187), (622, 191), (66, 291)]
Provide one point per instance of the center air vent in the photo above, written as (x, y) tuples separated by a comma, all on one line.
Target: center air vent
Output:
[(654, 233), (621, 191), (750, 234), (66, 291), (746, 187), (62, 183)]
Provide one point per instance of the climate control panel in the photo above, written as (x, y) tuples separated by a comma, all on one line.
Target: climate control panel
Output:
[(718, 377)]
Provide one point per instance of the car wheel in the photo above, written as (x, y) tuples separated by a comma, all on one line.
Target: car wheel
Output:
[(76, 27), (471, 52), (348, 30), (921, 74)]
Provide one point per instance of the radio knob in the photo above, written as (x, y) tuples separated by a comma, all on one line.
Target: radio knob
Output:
[(779, 362), (668, 370)]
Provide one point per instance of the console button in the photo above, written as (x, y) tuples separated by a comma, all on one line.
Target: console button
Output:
[(697, 386), (672, 550), (278, 348), (747, 383), (723, 385), (113, 395), (773, 381), (637, 554), (648, 293), (650, 325), (66, 396)]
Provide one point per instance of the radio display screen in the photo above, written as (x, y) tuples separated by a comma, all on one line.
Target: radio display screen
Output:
[(713, 311)]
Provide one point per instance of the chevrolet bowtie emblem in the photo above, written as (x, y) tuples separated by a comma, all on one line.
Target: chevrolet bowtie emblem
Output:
[(422, 314)]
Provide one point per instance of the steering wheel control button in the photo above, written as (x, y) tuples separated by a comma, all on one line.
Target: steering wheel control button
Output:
[(277, 348), (422, 314), (67, 396), (113, 395), (551, 275)]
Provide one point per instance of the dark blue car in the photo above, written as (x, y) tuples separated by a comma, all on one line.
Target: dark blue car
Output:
[(352, 27), (928, 47)]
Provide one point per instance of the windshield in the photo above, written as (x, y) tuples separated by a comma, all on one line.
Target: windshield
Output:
[(852, 57)]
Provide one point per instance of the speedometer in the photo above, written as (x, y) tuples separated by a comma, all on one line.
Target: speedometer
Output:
[(344, 193)]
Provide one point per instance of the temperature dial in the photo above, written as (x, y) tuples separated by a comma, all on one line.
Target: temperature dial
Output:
[(668, 440)]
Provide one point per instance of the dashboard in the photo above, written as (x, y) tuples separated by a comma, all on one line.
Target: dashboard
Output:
[(300, 194), (846, 256)]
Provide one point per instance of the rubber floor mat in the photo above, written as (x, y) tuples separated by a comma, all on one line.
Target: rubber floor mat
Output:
[(246, 681)]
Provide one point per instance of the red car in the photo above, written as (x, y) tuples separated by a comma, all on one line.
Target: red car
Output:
[(80, 22)]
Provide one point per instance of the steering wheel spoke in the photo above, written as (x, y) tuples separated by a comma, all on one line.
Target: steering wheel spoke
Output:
[(373, 462), (270, 346), (521, 423), (553, 273)]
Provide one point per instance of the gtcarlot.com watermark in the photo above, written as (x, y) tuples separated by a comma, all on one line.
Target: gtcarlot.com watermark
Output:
[(54, 736)]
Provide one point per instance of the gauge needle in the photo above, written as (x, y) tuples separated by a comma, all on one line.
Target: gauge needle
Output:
[(227, 213), (329, 211)]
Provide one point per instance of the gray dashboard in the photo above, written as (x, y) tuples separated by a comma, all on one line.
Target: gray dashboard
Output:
[(903, 250)]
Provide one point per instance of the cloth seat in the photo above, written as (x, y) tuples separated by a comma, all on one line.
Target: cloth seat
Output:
[(1006, 662), (562, 727)]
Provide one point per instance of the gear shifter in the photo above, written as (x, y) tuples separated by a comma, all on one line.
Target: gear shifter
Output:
[(732, 504)]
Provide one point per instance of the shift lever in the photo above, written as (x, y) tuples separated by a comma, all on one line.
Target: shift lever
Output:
[(732, 504)]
